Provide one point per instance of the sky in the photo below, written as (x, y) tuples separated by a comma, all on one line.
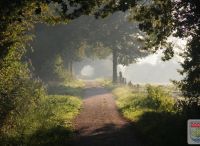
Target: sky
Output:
[(152, 69)]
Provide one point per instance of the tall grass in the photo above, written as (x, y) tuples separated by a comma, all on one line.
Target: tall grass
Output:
[(47, 121), (154, 115), (73, 88), (107, 83)]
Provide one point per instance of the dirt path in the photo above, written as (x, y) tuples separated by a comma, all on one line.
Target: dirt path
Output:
[(99, 123)]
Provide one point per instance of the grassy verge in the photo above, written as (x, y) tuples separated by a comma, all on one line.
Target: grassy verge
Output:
[(47, 121), (72, 88), (153, 114), (107, 83)]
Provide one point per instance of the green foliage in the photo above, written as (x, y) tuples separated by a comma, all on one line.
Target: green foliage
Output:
[(118, 36), (17, 91), (54, 53), (24, 108), (156, 20), (160, 19), (153, 115), (133, 104), (159, 100), (73, 88), (48, 123), (17, 18), (190, 85), (20, 93), (190, 27), (53, 70), (106, 83)]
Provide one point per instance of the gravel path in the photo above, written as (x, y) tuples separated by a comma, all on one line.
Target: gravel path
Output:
[(99, 123)]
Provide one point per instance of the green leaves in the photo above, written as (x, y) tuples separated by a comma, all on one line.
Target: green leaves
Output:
[(155, 19), (159, 19), (159, 100)]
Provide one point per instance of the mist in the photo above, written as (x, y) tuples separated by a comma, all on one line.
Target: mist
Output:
[(87, 32), (141, 72)]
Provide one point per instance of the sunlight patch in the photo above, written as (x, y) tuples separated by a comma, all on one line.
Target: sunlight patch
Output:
[(87, 71)]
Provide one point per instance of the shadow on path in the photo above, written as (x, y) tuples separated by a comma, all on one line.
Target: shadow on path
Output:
[(99, 123), (108, 135)]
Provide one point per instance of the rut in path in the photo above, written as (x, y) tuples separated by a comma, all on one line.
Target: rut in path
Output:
[(99, 123)]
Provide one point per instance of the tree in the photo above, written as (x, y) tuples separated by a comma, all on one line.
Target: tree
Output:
[(187, 24), (70, 44), (120, 36), (88, 37), (160, 19), (48, 44), (17, 18)]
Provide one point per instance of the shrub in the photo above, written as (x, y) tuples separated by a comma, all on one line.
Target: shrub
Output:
[(34, 118), (158, 99), (47, 123), (133, 104), (16, 106), (154, 116)]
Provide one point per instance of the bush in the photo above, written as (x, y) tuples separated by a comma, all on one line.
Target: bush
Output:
[(47, 123), (53, 118), (154, 115), (25, 107), (26, 110), (16, 105), (159, 100), (133, 104)]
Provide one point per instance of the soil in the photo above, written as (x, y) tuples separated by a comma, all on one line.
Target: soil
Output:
[(100, 123)]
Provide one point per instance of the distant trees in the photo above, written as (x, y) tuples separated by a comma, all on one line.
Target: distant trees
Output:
[(88, 37), (70, 45), (50, 52)]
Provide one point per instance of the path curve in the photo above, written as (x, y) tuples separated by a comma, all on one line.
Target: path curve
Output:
[(99, 123)]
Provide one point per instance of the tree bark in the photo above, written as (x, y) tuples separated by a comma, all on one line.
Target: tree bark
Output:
[(114, 66), (71, 68)]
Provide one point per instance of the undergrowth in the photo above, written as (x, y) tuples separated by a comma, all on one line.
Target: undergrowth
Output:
[(154, 115), (47, 121)]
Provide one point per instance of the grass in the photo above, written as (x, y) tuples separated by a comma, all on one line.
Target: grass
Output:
[(154, 115), (55, 115), (48, 121), (106, 83), (72, 88), (129, 102)]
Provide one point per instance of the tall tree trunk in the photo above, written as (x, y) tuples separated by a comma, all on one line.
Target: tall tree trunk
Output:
[(114, 66), (71, 68)]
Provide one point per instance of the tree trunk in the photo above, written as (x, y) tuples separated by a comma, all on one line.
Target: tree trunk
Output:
[(114, 66), (71, 68)]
